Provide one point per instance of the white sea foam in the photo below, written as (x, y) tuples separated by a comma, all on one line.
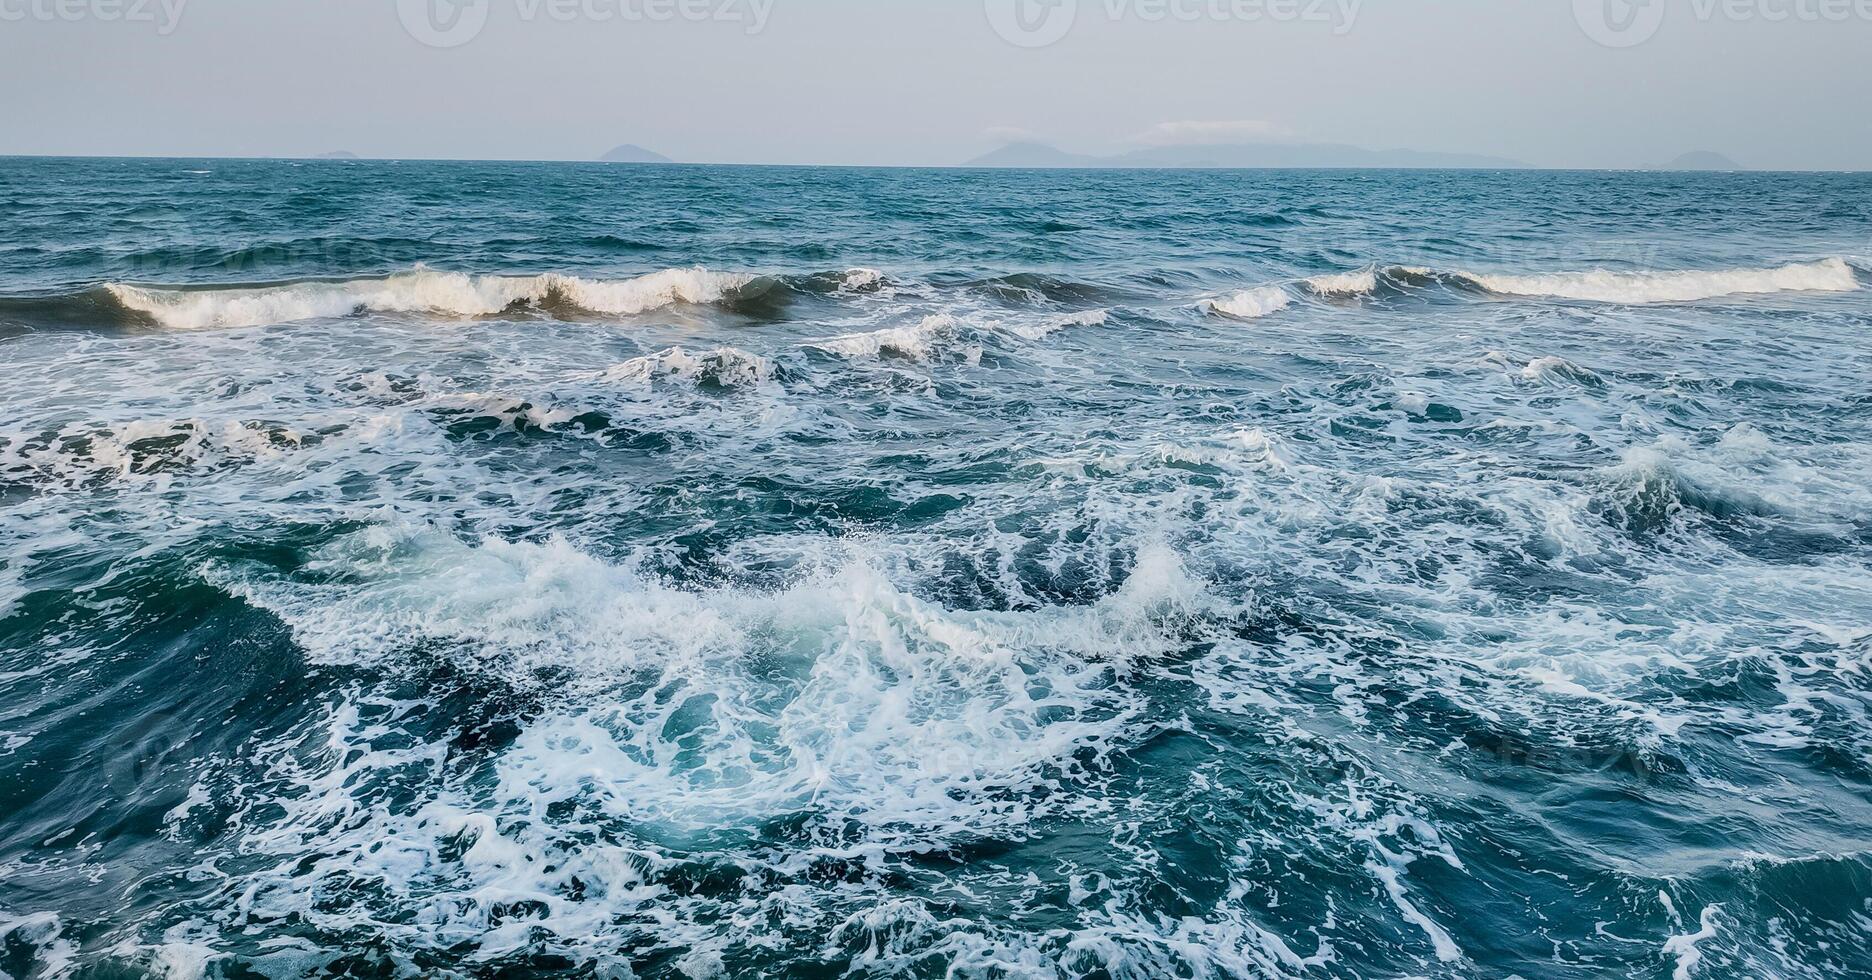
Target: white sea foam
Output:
[(150, 448), (895, 723), (1355, 283), (859, 280), (1040, 329), (421, 291), (1683, 948), (920, 341), (726, 366), (1557, 371), (1604, 286), (1251, 304), (40, 937)]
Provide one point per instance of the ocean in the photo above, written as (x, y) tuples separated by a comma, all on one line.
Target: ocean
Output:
[(560, 570)]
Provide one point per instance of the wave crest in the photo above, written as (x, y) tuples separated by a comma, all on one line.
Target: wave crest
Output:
[(921, 341), (1359, 282), (725, 367), (1604, 286), (1252, 304), (421, 291), (1597, 285)]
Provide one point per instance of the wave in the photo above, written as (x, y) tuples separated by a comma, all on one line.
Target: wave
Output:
[(842, 282), (549, 615), (1044, 327), (1259, 301), (1654, 488), (1597, 285), (859, 280), (1252, 304), (1359, 282), (943, 334), (1604, 286), (921, 341), (421, 291), (874, 722), (1551, 370), (1030, 289), (461, 295), (726, 367)]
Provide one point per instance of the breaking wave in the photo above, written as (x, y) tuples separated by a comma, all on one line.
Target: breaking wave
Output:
[(459, 295), (422, 291), (924, 340), (1603, 286), (1357, 283), (1597, 285), (726, 367), (419, 290), (1252, 304)]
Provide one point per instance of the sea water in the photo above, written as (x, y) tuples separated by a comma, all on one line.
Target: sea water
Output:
[(510, 569)]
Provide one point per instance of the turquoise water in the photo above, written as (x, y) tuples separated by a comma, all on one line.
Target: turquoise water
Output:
[(444, 569)]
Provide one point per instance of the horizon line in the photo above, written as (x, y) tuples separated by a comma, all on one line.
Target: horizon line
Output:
[(358, 158)]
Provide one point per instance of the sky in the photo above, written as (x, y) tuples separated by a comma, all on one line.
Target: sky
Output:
[(1563, 83)]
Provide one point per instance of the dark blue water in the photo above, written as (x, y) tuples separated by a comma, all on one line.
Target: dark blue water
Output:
[(488, 570)]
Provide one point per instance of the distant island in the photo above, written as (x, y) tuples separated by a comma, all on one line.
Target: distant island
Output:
[(1242, 156), (337, 155), (1702, 160), (631, 153)]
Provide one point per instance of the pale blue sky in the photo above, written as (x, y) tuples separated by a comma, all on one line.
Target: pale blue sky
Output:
[(890, 82)]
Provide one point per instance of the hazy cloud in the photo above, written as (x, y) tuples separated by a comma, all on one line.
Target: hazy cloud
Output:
[(1195, 132), (1011, 134)]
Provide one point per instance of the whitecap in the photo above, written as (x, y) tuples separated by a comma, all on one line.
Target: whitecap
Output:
[(728, 367), (859, 280), (920, 341), (1553, 370), (1251, 304), (1355, 283), (422, 290), (1044, 327), (1605, 286)]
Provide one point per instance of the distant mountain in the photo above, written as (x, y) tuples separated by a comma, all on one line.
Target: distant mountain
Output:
[(1244, 156), (631, 153), (1702, 160), (1035, 156)]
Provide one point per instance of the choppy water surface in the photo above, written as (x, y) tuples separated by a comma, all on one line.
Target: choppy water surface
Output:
[(552, 570)]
